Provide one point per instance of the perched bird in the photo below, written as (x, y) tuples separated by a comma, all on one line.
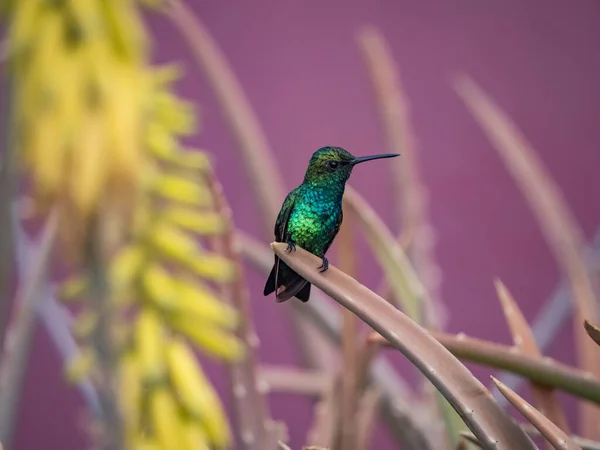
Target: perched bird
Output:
[(311, 217)]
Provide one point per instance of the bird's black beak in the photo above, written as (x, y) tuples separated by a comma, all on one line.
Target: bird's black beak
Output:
[(362, 159)]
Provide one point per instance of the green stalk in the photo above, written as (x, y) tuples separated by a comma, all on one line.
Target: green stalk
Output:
[(545, 371)]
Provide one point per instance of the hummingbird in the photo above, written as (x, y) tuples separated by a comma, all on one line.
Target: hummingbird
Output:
[(311, 216)]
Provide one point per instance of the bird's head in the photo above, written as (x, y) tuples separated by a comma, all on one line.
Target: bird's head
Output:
[(334, 165)]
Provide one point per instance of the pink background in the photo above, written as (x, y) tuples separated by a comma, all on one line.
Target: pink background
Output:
[(298, 62)]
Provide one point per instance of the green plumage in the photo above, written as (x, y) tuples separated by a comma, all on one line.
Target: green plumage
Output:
[(315, 218), (311, 216)]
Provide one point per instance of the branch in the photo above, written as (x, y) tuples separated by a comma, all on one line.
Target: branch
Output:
[(418, 235), (398, 401), (558, 225), (585, 444), (112, 433), (257, 429), (367, 415), (408, 289), (465, 393), (558, 438), (593, 331), (545, 370), (325, 416), (524, 341), (8, 180), (291, 380), (551, 316), (346, 425)]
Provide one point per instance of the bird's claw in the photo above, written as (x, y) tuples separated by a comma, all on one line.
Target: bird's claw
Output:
[(291, 246), (324, 266)]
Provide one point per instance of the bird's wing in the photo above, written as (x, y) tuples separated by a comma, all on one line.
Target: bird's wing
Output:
[(284, 216), (281, 225), (338, 224)]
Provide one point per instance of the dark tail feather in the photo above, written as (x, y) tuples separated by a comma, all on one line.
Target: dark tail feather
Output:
[(287, 283), (270, 284), (290, 288), (304, 293)]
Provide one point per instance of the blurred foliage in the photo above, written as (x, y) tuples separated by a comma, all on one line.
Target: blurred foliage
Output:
[(80, 101), (97, 132)]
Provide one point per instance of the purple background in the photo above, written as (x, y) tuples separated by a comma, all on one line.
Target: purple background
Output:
[(298, 63)]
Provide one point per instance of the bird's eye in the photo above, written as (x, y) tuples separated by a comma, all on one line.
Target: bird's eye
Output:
[(332, 165)]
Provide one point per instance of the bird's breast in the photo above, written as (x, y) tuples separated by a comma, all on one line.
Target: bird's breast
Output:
[(313, 220)]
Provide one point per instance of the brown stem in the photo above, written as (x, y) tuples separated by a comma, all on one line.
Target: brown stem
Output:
[(366, 417), (325, 416), (593, 331), (408, 290), (257, 431), (407, 287), (558, 438), (405, 240), (585, 444), (112, 435), (398, 400), (475, 404), (345, 432), (283, 446), (545, 370), (366, 355), (523, 340), (8, 178), (417, 234), (291, 380), (562, 232)]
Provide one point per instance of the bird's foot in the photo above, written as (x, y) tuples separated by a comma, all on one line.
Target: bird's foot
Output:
[(325, 264), (291, 246)]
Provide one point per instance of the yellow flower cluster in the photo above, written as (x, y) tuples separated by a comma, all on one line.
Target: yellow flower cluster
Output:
[(80, 78), (97, 129), (164, 275)]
